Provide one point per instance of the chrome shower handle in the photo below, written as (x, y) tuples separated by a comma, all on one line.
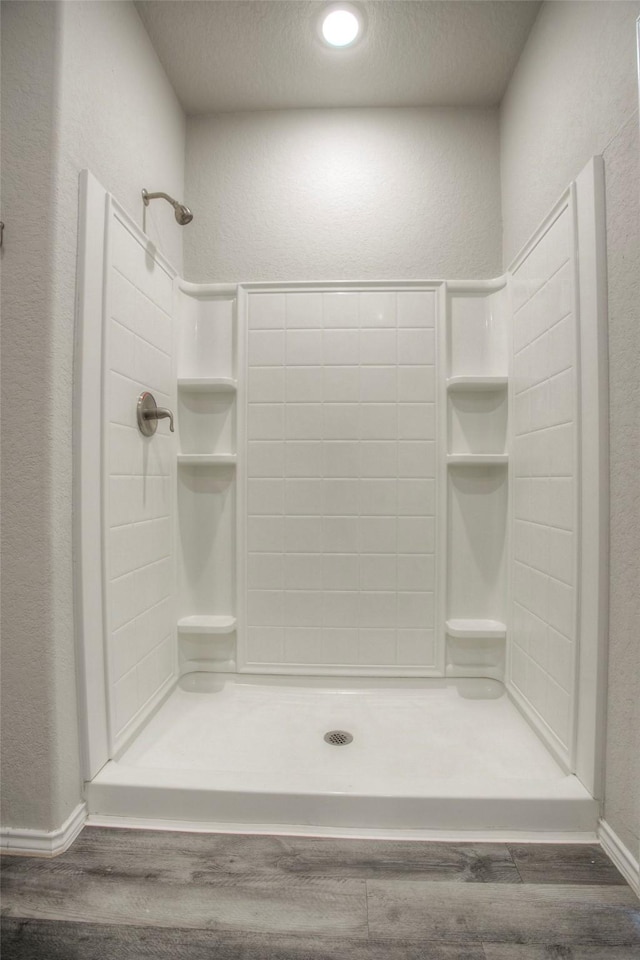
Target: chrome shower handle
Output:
[(149, 413)]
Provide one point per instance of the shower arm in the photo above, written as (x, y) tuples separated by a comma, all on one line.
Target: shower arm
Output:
[(146, 197)]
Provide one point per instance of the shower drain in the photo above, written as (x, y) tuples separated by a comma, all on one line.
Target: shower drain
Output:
[(338, 737)]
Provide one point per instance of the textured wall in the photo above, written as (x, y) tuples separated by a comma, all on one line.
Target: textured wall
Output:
[(574, 94), (81, 87), (343, 195)]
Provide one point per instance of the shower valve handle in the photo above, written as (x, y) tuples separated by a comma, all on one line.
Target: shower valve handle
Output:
[(149, 413)]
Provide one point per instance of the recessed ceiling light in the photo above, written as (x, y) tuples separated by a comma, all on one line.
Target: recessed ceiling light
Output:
[(341, 25)]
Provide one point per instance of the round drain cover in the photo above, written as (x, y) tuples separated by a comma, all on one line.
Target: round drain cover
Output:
[(338, 737)]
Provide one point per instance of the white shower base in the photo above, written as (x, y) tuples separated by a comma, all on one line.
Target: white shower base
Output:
[(441, 755)]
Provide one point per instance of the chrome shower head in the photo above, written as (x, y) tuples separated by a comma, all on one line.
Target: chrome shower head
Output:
[(183, 214)]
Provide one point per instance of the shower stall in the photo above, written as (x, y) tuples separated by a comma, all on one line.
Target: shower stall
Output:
[(363, 585)]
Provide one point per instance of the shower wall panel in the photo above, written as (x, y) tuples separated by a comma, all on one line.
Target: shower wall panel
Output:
[(545, 476), (139, 472), (341, 480)]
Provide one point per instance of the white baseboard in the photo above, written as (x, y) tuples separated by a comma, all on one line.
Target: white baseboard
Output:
[(621, 855), (43, 843)]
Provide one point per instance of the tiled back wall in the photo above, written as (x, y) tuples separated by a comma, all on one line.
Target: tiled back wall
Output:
[(341, 478)]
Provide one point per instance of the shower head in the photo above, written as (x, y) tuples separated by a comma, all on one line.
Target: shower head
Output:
[(183, 214)]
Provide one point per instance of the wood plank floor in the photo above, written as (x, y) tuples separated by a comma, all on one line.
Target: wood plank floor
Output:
[(133, 894)]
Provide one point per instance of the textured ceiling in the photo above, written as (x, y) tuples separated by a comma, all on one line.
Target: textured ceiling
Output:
[(224, 55)]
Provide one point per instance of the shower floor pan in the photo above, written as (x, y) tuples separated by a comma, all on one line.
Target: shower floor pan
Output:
[(426, 755)]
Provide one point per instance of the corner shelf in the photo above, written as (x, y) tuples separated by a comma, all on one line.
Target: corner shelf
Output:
[(211, 625), (207, 384), (476, 383), (476, 629), (476, 459), (206, 459)]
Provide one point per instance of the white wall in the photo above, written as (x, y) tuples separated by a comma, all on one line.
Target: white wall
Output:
[(574, 94), (81, 87), (343, 195)]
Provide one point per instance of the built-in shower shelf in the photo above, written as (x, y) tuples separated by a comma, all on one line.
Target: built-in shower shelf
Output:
[(206, 459), (476, 459), (207, 384), (476, 383), (468, 629), (212, 625)]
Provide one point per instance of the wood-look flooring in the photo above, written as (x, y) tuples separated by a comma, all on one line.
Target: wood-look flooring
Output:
[(133, 894)]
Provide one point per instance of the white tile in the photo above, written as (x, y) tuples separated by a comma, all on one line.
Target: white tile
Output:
[(152, 367), (378, 384), (121, 500), (378, 309), (378, 497), (121, 345), (265, 421), (416, 384), (340, 497), (415, 609), (303, 459), (561, 609), (265, 458), (265, 608), (340, 309), (560, 505), (378, 609), (122, 300), (562, 397), (378, 534), (416, 308), (148, 677), (265, 571), (416, 458), (124, 647), (561, 557), (266, 311), (378, 347), (266, 384), (303, 608), (123, 400), (415, 647), (125, 695), (342, 384), (416, 572), (266, 348), (303, 497), (341, 421), (340, 609), (304, 421), (416, 347), (341, 458), (265, 496), (303, 644), (154, 625), (303, 571), (416, 534), (377, 646), (557, 711), (378, 459), (378, 421), (378, 571), (265, 644), (416, 497), (340, 534), (340, 645), (304, 347), (303, 534), (304, 310), (561, 664), (304, 384), (416, 421), (125, 450), (341, 347), (152, 324), (265, 534), (340, 571)]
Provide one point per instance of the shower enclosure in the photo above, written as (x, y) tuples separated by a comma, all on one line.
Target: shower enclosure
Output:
[(363, 584)]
